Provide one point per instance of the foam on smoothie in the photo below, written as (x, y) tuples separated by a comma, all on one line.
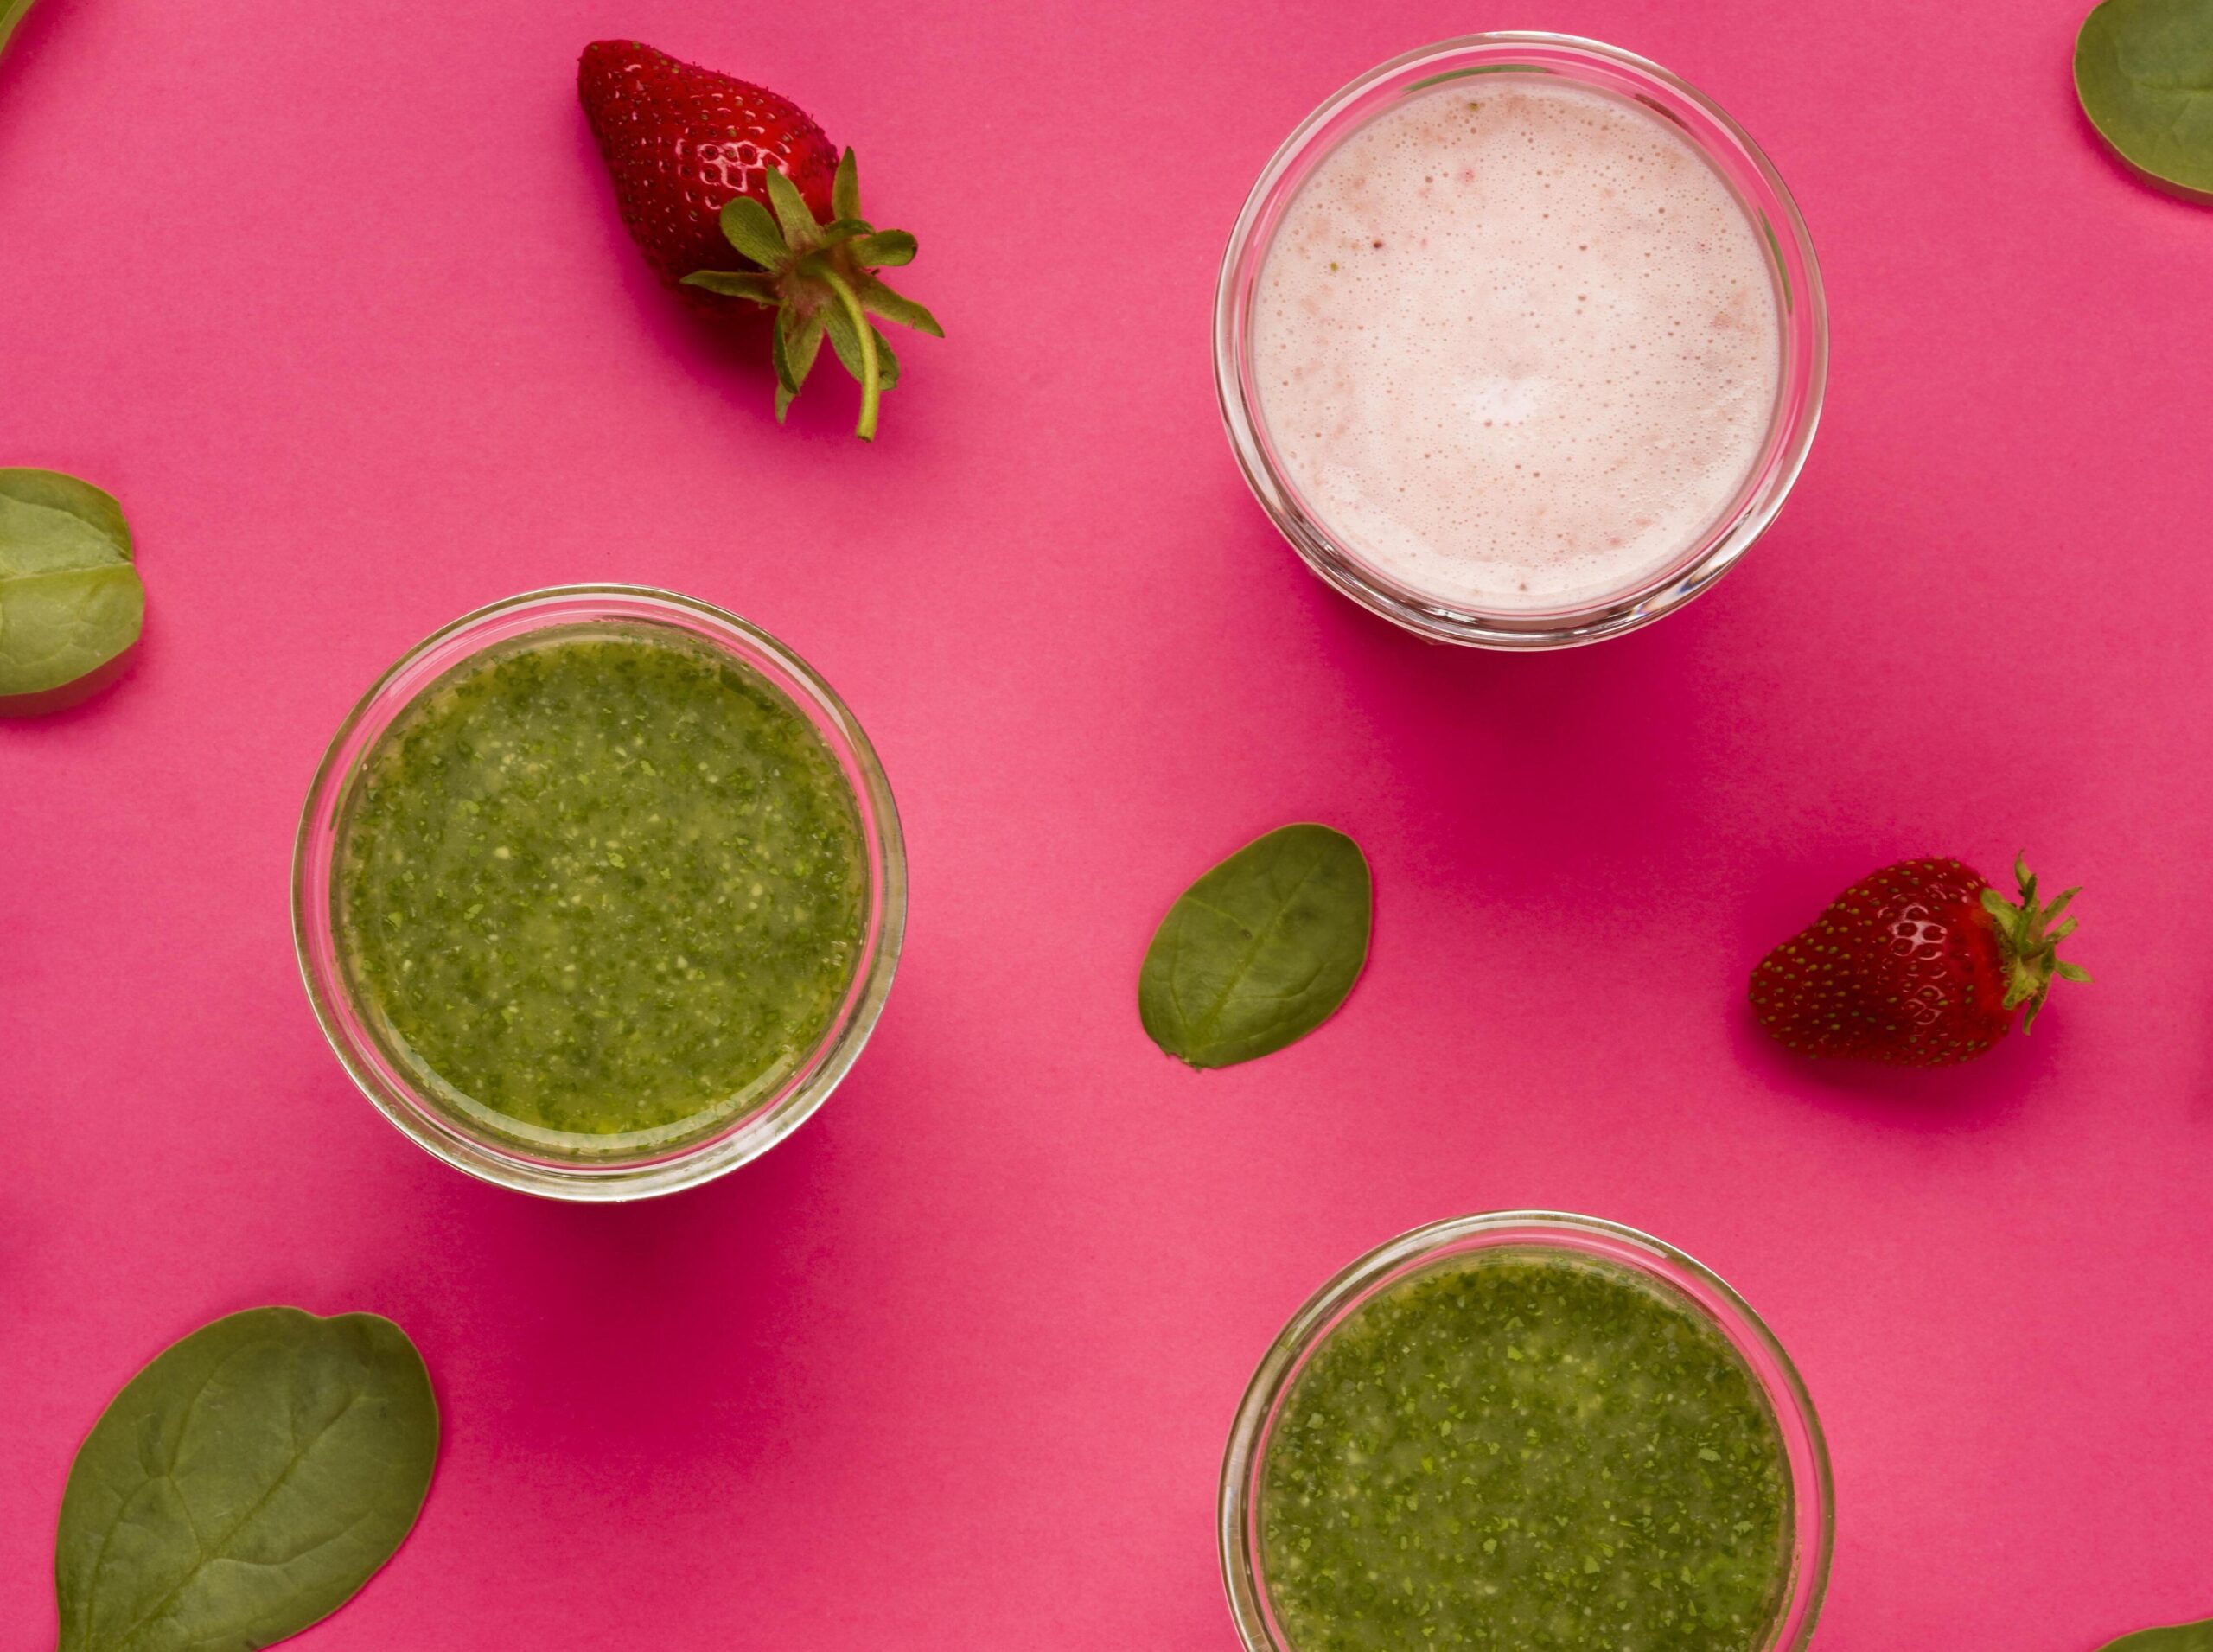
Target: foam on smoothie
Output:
[(1517, 343)]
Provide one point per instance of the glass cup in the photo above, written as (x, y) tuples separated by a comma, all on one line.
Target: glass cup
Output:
[(1758, 190), (1812, 1498), (567, 1165)]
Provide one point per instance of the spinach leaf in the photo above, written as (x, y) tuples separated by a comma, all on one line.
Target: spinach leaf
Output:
[(11, 13), (55, 492), (70, 600), (2144, 72), (1260, 951), (244, 1484), (2183, 1637)]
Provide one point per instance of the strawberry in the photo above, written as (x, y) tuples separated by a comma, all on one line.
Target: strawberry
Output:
[(705, 164), (1922, 964)]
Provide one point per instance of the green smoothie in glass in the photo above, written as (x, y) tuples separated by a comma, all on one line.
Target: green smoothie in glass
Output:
[(605, 881), (1523, 1448)]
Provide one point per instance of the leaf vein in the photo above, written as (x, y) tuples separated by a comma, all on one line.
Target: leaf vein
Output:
[(1260, 938), (208, 1558)]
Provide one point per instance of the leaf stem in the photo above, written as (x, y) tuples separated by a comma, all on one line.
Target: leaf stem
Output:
[(872, 373)]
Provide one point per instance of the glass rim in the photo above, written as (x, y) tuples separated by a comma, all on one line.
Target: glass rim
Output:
[(1813, 1491), (1803, 317), (660, 1166)]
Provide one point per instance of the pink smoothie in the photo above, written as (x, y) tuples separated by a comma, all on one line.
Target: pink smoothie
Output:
[(1517, 344)]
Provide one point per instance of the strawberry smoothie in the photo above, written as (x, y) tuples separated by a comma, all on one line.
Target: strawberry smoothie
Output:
[(1517, 344)]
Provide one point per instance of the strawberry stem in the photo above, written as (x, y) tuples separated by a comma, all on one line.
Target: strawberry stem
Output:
[(2029, 934), (871, 371), (802, 269)]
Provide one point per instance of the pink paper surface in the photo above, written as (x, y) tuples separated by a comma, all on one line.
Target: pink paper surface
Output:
[(334, 299)]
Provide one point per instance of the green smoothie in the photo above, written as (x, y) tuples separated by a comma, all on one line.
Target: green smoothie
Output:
[(601, 881), (1526, 1448)]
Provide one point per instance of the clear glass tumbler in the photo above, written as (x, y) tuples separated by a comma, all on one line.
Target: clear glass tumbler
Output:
[(559, 1165), (1813, 1498), (1758, 189)]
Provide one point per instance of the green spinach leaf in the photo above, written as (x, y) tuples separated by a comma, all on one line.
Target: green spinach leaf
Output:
[(2183, 1637), (11, 13), (70, 600), (1260, 951), (2144, 72), (244, 1484)]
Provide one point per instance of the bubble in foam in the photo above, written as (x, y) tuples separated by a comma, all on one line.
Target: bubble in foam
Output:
[(1538, 380)]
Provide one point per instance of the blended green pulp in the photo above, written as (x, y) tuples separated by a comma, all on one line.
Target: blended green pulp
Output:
[(1525, 1449), (605, 880)]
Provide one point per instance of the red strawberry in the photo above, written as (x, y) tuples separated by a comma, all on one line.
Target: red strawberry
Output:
[(1922, 964), (705, 163)]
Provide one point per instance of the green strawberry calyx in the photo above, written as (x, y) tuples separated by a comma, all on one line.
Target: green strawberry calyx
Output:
[(820, 278), (2028, 942)]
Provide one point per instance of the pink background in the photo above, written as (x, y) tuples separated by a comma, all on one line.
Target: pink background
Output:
[(333, 297)]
